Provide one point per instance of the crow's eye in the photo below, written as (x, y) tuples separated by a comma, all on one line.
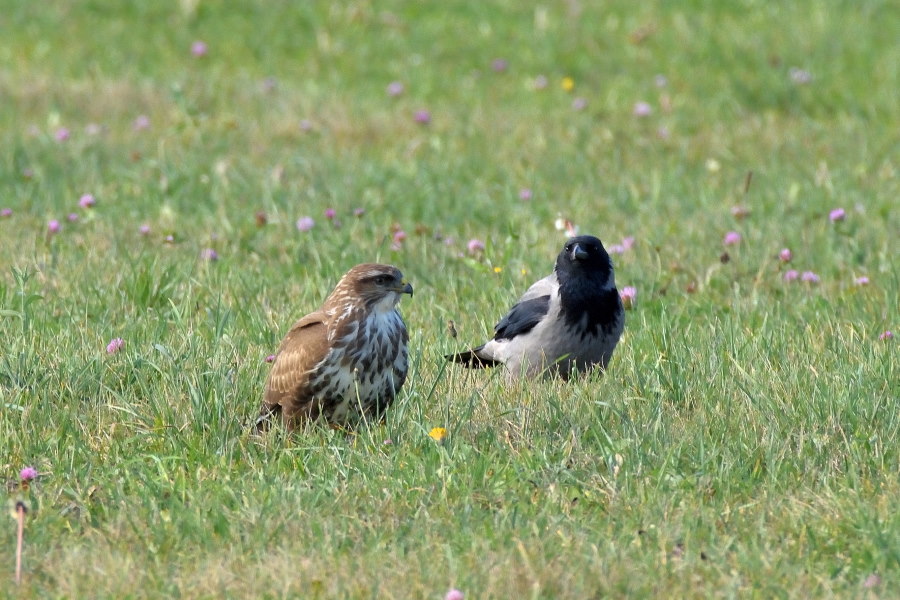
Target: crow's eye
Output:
[(380, 280), (568, 247)]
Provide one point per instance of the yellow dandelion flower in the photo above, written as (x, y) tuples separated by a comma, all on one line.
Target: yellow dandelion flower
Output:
[(438, 434), (498, 269), (568, 84)]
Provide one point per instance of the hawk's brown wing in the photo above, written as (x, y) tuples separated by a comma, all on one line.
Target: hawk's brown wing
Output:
[(304, 346)]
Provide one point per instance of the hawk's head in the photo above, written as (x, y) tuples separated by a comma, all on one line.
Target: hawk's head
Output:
[(377, 287)]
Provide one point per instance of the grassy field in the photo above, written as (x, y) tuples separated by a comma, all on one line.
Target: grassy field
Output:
[(744, 442)]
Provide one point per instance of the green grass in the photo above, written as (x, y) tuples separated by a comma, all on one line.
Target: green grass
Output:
[(744, 442)]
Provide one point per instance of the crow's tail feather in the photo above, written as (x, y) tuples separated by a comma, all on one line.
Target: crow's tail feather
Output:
[(472, 359)]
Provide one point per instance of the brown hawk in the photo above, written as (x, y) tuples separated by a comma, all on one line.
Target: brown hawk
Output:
[(345, 361)]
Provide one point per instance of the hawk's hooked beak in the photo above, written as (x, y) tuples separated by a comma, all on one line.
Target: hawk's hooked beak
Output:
[(578, 253), (406, 289)]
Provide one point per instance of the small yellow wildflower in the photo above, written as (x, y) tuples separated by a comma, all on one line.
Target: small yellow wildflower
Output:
[(524, 271), (438, 434), (497, 269), (568, 84)]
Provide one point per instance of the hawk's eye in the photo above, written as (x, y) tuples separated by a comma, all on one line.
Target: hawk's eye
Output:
[(380, 280)]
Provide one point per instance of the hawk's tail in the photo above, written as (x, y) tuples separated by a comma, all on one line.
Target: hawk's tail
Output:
[(472, 359)]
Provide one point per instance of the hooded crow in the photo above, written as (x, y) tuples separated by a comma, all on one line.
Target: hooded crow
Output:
[(568, 321)]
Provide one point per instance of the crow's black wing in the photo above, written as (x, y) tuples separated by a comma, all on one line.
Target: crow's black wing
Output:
[(522, 318)]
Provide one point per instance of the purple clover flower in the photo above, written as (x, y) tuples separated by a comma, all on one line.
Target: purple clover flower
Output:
[(209, 254), (474, 246), (810, 277), (732, 238), (114, 345), (87, 201), (397, 240), (800, 76), (28, 474), (785, 255), (395, 88), (642, 109), (305, 223), (838, 214), (628, 294)]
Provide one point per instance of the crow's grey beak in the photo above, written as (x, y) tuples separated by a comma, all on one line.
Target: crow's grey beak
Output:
[(578, 253)]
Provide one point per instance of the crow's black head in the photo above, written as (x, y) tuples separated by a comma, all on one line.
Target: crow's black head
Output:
[(588, 299), (584, 256)]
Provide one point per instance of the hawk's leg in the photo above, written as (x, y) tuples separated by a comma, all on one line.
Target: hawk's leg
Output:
[(266, 412)]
